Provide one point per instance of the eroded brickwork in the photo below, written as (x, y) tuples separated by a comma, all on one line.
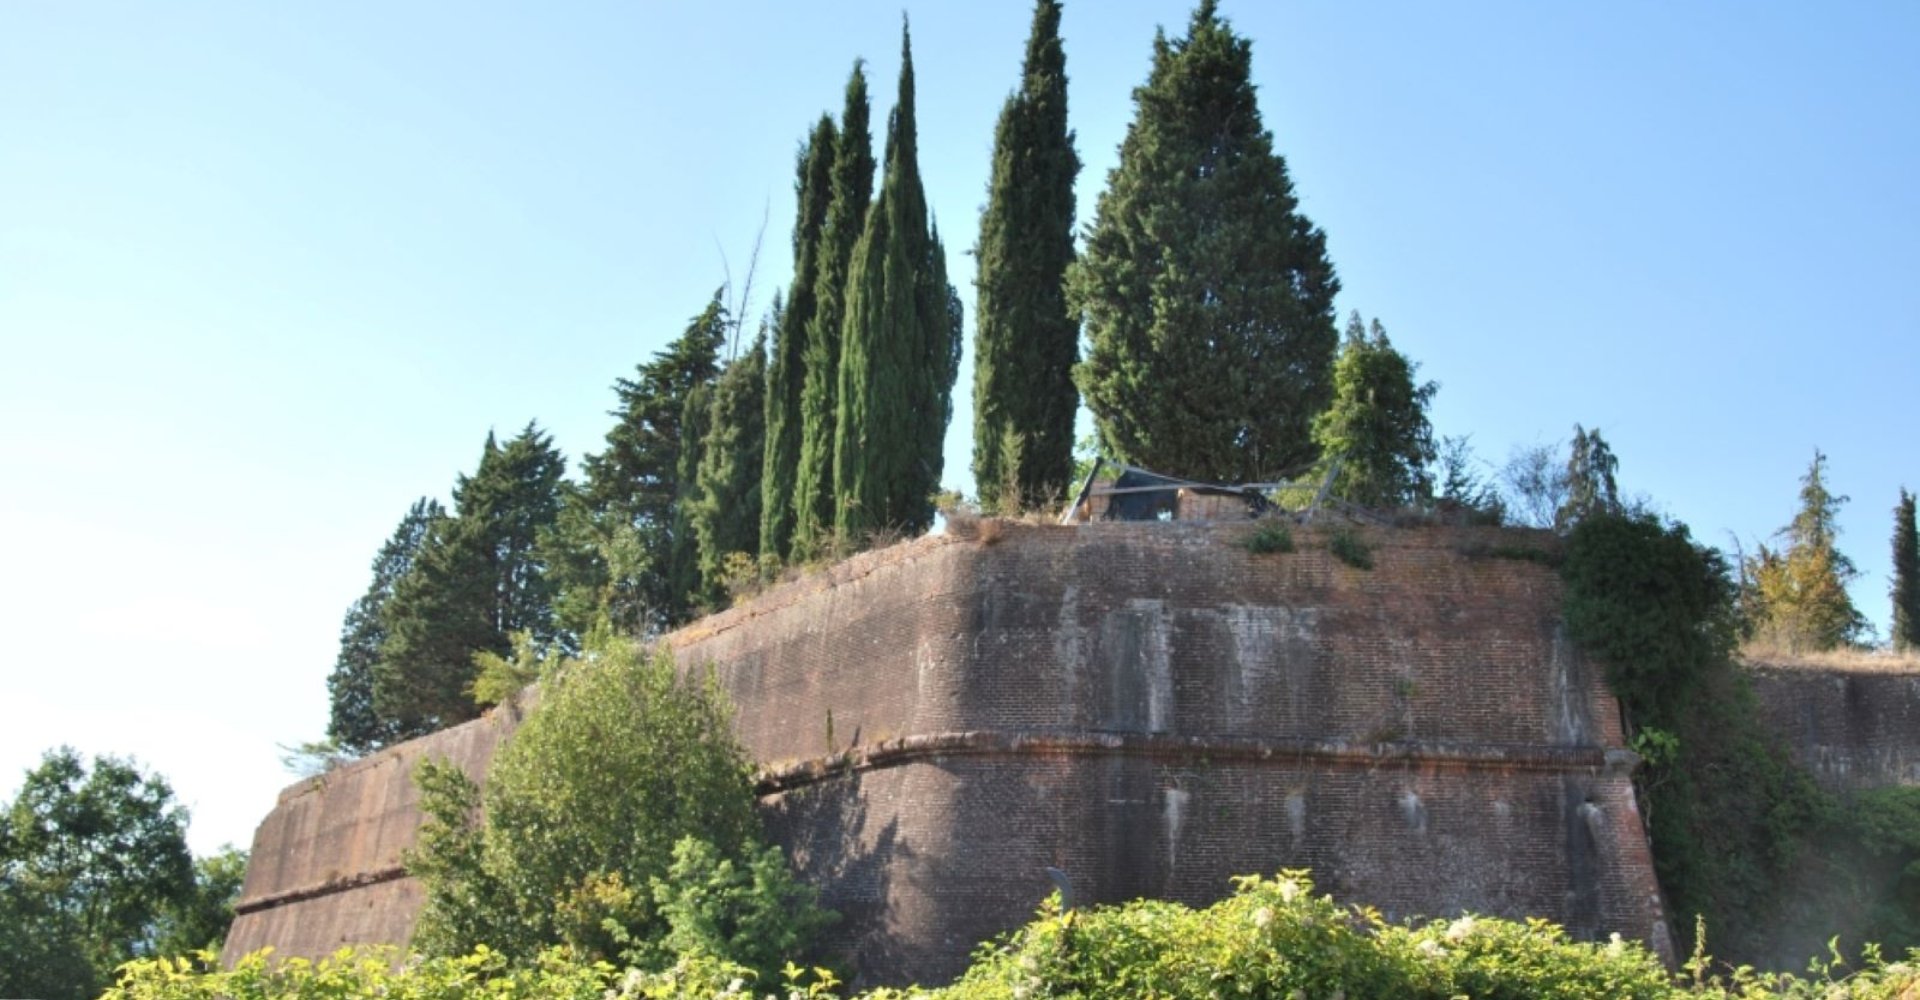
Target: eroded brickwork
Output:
[(1151, 709), (1853, 729)]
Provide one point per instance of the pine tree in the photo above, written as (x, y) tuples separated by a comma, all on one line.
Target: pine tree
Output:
[(354, 726), (475, 581), (1906, 576), (1025, 338), (1207, 296), (726, 505), (1795, 598), (786, 378), (1590, 480), (899, 348), (1377, 424), (611, 549), (813, 498)]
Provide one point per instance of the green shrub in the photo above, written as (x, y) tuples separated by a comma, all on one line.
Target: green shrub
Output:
[(1348, 547), (1269, 537)]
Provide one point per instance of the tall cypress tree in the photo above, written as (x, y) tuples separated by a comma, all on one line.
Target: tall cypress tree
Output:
[(1025, 339), (899, 347), (786, 379), (475, 581), (611, 550), (682, 578), (813, 497), (353, 724), (1906, 576), (726, 506), (1207, 296)]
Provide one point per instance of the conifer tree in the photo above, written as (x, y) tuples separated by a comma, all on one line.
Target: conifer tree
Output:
[(1025, 339), (786, 377), (1795, 598), (726, 506), (899, 348), (611, 549), (683, 548), (1590, 480), (475, 581), (1207, 296), (1377, 424), (852, 188), (1906, 576), (353, 725)]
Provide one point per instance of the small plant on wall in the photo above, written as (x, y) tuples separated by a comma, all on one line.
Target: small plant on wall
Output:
[(1348, 547)]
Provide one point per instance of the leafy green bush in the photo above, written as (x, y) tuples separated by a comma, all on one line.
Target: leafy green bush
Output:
[(617, 821), (1272, 938), (1348, 547), (1269, 537)]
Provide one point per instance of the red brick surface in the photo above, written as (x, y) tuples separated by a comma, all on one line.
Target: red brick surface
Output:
[(1146, 706)]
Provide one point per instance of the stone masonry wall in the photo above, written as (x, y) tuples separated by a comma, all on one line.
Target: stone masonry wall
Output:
[(1853, 729), (1146, 706)]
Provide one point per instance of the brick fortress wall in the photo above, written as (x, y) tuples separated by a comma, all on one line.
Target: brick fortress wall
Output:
[(1147, 707)]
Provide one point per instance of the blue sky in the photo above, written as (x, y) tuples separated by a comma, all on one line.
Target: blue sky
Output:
[(270, 272)]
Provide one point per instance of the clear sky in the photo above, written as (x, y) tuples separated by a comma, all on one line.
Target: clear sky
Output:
[(269, 272)]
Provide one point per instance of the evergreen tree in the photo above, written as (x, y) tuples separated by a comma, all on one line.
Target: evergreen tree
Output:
[(1026, 340), (852, 188), (899, 349), (1207, 296), (1795, 598), (683, 550), (611, 548), (1377, 425), (1590, 481), (354, 726), (1906, 577), (786, 379), (475, 580), (726, 507)]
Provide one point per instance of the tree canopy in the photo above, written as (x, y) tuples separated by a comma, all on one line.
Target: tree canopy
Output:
[(1794, 598), (90, 858), (354, 724), (1026, 339), (1377, 425), (1207, 295)]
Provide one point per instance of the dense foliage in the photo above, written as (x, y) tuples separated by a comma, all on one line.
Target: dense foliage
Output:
[(475, 580), (1272, 938), (1207, 296), (94, 871), (899, 350), (1025, 339), (618, 818), (354, 725), (725, 506), (787, 372), (1795, 598), (852, 187), (1906, 576), (1376, 426)]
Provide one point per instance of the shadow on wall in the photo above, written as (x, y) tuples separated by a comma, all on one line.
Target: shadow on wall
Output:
[(824, 827)]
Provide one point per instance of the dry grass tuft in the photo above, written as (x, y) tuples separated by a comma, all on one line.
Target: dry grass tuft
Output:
[(1859, 661)]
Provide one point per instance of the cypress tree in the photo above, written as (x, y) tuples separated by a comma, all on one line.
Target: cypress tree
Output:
[(726, 506), (353, 724), (1026, 340), (611, 549), (899, 348), (475, 581), (786, 379), (682, 577), (1207, 296), (1377, 424), (813, 498), (1906, 576)]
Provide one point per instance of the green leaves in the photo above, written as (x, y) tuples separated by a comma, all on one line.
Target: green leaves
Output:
[(1207, 296), (1026, 339), (1377, 424)]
